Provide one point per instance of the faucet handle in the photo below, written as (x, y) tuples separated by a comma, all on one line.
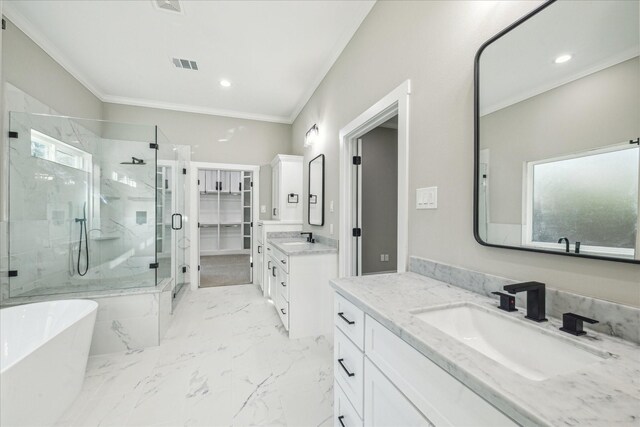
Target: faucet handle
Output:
[(507, 302), (572, 323)]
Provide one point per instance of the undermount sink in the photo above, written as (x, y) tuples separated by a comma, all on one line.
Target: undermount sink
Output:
[(294, 243), (525, 349)]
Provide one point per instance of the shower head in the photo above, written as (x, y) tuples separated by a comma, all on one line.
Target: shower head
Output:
[(134, 161)]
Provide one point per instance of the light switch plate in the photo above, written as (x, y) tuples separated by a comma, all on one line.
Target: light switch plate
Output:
[(263, 209), (331, 206), (427, 198)]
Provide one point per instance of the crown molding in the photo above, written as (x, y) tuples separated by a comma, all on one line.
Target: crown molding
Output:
[(135, 102), (39, 39)]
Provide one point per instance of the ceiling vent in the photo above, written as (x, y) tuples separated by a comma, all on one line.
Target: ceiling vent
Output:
[(168, 5), (185, 63)]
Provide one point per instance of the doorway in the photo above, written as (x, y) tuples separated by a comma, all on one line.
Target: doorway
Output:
[(376, 173), (224, 208), (353, 244)]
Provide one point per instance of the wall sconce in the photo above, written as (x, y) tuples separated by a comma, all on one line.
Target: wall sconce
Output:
[(311, 136)]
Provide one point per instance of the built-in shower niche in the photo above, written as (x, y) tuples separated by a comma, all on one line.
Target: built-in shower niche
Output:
[(76, 190)]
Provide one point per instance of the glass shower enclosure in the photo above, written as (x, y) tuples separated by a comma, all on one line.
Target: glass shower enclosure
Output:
[(83, 206)]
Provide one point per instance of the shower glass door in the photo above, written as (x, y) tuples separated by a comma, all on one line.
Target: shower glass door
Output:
[(81, 205)]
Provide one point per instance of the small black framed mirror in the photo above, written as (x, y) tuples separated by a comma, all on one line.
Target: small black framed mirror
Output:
[(556, 132), (315, 203)]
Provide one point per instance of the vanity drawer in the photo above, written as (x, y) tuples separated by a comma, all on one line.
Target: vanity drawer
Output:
[(439, 396), (348, 369), (282, 284), (344, 414), (282, 307), (349, 319), (283, 260)]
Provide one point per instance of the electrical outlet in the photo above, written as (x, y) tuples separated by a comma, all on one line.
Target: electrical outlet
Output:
[(331, 229), (386, 257), (331, 206), (381, 257), (263, 209)]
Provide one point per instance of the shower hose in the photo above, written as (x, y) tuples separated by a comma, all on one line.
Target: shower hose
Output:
[(83, 233)]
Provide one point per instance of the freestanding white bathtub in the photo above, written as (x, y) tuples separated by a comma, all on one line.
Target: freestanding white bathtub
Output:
[(43, 357)]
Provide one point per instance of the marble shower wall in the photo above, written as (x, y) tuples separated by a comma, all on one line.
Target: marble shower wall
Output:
[(615, 319)]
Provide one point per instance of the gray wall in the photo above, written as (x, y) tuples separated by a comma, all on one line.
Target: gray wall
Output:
[(595, 111), (248, 142), (433, 44), (379, 199), (30, 69)]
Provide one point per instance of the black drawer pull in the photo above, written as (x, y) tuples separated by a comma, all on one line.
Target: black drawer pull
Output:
[(283, 312), (283, 261), (340, 419), (350, 322), (351, 374), (283, 285)]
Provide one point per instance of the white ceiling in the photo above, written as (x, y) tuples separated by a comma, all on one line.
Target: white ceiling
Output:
[(520, 65), (275, 53)]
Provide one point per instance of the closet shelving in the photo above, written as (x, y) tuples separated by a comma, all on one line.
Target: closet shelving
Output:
[(223, 212)]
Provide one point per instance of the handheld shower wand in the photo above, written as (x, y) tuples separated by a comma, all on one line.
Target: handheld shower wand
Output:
[(83, 227)]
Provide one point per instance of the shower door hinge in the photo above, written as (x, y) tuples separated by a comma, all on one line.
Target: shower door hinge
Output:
[(13, 134), (357, 160), (184, 269), (154, 146), (154, 265), (198, 268), (357, 232), (184, 172), (636, 141), (251, 184), (12, 273), (251, 223), (251, 265), (4, 24)]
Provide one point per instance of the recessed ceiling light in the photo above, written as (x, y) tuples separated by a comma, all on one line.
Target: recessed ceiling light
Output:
[(225, 83), (562, 58)]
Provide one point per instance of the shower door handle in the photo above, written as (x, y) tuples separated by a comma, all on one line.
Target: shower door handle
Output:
[(173, 221)]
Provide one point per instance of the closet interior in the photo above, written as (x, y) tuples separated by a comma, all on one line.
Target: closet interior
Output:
[(225, 224)]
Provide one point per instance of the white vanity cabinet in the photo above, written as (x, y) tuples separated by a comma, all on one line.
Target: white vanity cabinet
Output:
[(263, 267), (299, 288), (394, 384), (286, 188)]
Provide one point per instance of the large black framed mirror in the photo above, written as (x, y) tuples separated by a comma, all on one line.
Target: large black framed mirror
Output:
[(556, 132), (316, 191)]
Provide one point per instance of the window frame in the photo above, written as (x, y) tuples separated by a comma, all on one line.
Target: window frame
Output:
[(527, 205), (54, 146)]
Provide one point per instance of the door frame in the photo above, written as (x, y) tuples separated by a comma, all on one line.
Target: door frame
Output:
[(194, 258), (394, 103)]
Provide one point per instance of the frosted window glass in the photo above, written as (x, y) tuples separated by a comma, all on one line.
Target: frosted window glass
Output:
[(592, 199)]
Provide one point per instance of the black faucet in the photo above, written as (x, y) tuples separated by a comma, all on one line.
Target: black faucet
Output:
[(566, 243), (572, 323), (535, 298), (309, 237)]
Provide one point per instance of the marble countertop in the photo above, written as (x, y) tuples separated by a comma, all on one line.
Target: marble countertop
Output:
[(301, 249), (606, 393)]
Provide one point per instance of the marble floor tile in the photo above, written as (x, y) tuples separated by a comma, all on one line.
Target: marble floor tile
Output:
[(225, 361)]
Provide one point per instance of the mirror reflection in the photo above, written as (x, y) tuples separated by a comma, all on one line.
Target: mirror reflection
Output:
[(558, 126), (316, 191)]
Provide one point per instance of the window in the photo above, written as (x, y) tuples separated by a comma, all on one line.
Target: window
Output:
[(591, 198), (48, 148)]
